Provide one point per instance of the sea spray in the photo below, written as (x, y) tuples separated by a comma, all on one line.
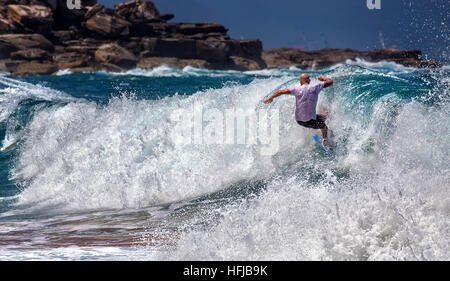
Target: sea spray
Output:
[(96, 165)]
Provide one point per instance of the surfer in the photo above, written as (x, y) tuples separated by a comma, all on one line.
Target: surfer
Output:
[(306, 96)]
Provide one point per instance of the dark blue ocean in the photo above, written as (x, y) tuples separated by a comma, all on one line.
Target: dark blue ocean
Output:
[(146, 165)]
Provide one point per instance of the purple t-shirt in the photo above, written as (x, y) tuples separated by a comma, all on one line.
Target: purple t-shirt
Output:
[(306, 100)]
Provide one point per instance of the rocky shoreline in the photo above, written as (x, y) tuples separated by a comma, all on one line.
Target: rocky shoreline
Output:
[(44, 36)]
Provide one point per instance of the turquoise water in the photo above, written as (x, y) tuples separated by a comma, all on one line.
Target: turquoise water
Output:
[(89, 168)]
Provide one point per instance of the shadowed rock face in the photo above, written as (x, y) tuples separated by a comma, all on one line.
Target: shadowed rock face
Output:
[(35, 17), (14, 42), (43, 36)]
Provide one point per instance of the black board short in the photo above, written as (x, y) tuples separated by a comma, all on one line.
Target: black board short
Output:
[(318, 123)]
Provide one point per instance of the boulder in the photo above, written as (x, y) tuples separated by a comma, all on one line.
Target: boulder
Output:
[(147, 11), (14, 42), (35, 68), (108, 26), (116, 55), (93, 10), (31, 54), (127, 9), (138, 11), (70, 60), (36, 17)]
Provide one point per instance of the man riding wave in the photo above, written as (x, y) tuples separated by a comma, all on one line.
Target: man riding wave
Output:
[(306, 96)]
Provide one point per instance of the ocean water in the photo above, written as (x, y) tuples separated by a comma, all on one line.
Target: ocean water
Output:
[(90, 170)]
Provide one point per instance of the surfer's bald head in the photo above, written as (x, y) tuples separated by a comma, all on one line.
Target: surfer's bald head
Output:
[(304, 79)]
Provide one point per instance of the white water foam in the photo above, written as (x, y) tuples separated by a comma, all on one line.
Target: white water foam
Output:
[(13, 94), (17, 91), (122, 155), (394, 204)]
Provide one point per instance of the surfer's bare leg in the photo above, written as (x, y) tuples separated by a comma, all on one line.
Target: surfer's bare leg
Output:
[(324, 131)]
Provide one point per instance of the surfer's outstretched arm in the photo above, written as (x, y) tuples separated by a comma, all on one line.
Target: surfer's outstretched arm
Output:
[(277, 94), (327, 81)]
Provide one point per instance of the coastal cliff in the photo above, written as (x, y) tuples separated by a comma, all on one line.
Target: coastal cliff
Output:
[(44, 36)]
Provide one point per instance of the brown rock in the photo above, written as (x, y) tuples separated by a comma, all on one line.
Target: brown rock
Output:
[(91, 68), (428, 64), (133, 44), (61, 36), (240, 63), (14, 42), (167, 17), (203, 36), (81, 49), (149, 63), (138, 11), (3, 68), (111, 67), (108, 26), (148, 12), (160, 29), (70, 60), (9, 65), (390, 53), (285, 57), (194, 28), (246, 48), (35, 68), (127, 9), (3, 9), (93, 10), (211, 50), (31, 54), (168, 47), (116, 55), (36, 17)]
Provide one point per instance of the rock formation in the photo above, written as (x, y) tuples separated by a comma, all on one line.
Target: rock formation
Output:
[(286, 57), (44, 36)]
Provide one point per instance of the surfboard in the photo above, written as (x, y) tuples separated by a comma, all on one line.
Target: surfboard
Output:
[(318, 141)]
